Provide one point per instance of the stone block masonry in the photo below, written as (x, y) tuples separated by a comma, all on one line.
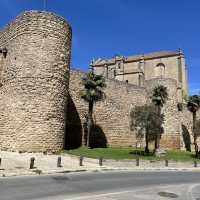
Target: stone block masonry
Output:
[(40, 103), (171, 136), (34, 78), (111, 116)]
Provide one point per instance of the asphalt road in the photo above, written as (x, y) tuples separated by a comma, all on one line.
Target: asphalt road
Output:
[(103, 185)]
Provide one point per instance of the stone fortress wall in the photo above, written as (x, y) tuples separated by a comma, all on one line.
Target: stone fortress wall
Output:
[(171, 136), (111, 116), (186, 124), (41, 108), (34, 82), (148, 70)]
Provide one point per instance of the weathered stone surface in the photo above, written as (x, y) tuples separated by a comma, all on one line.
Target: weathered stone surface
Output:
[(38, 106), (113, 114), (34, 75), (138, 68), (171, 136), (186, 125)]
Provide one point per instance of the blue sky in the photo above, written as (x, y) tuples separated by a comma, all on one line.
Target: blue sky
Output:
[(102, 28)]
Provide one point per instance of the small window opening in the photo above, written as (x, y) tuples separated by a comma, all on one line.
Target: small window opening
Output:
[(4, 51), (119, 65), (114, 73)]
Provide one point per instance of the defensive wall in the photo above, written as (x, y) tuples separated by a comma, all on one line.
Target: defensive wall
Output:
[(41, 108), (34, 63), (112, 115), (171, 136), (186, 125)]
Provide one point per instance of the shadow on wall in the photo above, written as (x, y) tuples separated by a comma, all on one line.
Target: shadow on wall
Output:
[(186, 138), (73, 129), (98, 138)]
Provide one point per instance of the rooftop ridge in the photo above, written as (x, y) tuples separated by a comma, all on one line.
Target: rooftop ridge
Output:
[(145, 56)]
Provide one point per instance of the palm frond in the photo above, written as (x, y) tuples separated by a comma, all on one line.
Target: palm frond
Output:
[(93, 87), (160, 95), (193, 103)]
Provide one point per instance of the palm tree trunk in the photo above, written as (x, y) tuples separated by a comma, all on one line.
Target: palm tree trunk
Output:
[(159, 134), (194, 134), (147, 141), (90, 122), (156, 143), (157, 139)]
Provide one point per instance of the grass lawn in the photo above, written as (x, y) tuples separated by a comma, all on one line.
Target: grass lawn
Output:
[(118, 153)]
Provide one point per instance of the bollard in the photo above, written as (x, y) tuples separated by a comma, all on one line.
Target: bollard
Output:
[(32, 160), (137, 162), (166, 163), (81, 161), (59, 162), (100, 161), (195, 163)]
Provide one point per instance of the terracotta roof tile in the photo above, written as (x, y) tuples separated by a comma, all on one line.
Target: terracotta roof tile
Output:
[(158, 54)]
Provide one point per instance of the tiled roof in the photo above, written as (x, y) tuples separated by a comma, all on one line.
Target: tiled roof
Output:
[(158, 54)]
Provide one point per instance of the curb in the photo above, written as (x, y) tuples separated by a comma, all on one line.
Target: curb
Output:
[(102, 169)]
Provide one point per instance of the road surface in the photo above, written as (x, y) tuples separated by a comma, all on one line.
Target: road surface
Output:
[(103, 185)]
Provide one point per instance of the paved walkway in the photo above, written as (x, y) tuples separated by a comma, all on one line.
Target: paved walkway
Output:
[(15, 164)]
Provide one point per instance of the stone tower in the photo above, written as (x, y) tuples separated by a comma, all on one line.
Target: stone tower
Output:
[(34, 65)]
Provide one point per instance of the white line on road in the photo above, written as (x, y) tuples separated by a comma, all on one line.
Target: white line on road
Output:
[(190, 191), (165, 187), (99, 195)]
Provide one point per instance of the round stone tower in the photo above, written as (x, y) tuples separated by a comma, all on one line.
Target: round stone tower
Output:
[(34, 82)]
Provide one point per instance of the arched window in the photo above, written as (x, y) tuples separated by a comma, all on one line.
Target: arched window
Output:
[(159, 70)]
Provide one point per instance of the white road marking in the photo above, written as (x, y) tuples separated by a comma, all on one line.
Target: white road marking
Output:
[(99, 195), (92, 196), (190, 191)]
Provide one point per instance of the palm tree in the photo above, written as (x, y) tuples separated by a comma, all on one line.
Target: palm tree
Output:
[(93, 92), (193, 105), (159, 98)]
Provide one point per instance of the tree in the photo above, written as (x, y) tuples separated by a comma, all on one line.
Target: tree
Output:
[(93, 92), (147, 120), (197, 128), (193, 105), (159, 98)]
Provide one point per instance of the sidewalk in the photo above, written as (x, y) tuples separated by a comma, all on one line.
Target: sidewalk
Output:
[(16, 164)]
